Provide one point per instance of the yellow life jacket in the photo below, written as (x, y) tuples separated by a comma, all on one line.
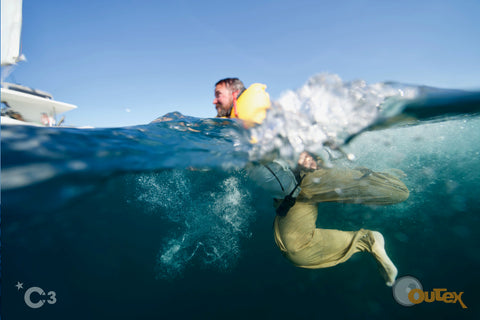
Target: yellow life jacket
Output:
[(252, 105)]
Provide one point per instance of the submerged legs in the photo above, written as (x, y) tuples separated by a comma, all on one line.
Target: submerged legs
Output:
[(309, 247)]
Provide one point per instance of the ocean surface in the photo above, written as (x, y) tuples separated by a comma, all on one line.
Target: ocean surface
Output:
[(161, 220)]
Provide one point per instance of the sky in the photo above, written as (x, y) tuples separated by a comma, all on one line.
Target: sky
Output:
[(127, 62)]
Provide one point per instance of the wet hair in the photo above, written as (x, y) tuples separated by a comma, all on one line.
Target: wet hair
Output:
[(234, 84)]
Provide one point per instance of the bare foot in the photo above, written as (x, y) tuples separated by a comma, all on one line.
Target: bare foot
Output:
[(387, 268)]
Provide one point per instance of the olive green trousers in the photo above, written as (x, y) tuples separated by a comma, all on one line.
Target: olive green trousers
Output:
[(307, 246)]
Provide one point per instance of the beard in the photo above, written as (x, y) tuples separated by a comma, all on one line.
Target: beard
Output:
[(221, 112)]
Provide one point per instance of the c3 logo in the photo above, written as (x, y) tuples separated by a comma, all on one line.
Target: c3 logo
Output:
[(39, 298)]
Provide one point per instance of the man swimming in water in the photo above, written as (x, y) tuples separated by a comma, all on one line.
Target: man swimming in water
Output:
[(295, 229)]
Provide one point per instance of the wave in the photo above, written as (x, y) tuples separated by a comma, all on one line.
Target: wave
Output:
[(325, 110), (319, 117), (327, 113)]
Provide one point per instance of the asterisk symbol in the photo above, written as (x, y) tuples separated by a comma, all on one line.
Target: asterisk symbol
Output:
[(19, 285)]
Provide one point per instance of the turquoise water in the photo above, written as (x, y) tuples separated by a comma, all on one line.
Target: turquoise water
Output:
[(161, 220)]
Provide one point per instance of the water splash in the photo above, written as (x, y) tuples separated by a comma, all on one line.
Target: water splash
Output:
[(325, 110)]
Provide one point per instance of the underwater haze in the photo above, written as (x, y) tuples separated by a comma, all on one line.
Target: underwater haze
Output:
[(161, 220)]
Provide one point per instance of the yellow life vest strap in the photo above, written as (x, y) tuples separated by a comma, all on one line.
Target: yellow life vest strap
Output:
[(234, 107)]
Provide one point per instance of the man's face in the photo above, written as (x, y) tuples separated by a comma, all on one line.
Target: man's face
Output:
[(223, 100)]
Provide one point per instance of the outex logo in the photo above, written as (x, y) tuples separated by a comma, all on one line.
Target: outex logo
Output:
[(408, 291)]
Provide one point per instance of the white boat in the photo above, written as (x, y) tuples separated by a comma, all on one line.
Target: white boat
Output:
[(21, 104)]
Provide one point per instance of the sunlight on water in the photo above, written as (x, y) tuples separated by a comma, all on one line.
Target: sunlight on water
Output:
[(440, 155)]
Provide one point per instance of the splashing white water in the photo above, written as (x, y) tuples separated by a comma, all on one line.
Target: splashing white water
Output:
[(324, 110)]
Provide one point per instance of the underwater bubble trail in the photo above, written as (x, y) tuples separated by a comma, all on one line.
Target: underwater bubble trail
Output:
[(209, 231)]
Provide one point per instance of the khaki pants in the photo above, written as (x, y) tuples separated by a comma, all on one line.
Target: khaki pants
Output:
[(307, 246)]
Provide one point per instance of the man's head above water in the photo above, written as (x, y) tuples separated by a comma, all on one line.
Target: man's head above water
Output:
[(226, 91)]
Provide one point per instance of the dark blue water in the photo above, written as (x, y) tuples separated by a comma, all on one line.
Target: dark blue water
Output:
[(161, 220)]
